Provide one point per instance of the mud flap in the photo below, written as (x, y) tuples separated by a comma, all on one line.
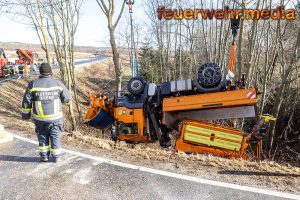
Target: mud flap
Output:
[(165, 139), (161, 132)]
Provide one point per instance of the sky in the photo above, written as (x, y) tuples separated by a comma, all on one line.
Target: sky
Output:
[(92, 29)]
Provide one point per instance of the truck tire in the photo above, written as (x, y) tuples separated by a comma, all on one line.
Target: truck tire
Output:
[(136, 86), (209, 75)]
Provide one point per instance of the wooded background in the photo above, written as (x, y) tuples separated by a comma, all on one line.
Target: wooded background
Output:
[(268, 54)]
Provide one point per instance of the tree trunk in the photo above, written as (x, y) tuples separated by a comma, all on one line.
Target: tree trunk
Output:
[(115, 57), (240, 46), (67, 64)]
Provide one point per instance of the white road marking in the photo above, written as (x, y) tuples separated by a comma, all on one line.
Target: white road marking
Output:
[(7, 138), (175, 175)]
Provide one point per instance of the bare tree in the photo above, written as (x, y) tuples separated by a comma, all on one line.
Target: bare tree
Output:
[(109, 10), (288, 66), (55, 23), (63, 18), (31, 10)]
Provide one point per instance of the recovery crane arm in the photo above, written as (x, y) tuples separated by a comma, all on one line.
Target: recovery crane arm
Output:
[(25, 56)]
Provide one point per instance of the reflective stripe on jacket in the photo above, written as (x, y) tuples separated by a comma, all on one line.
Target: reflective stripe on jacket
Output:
[(44, 97)]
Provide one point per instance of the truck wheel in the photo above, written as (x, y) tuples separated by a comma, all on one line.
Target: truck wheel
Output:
[(209, 75), (136, 86)]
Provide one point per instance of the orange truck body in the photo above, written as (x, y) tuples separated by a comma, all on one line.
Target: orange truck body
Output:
[(135, 117), (224, 99), (195, 135), (3, 62)]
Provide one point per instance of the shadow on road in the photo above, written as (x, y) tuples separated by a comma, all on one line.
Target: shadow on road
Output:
[(18, 158), (252, 173)]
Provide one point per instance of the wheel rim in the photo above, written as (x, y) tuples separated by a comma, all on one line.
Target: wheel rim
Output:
[(136, 85), (209, 75)]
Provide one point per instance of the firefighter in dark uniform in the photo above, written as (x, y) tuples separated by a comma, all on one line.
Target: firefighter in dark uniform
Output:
[(44, 98)]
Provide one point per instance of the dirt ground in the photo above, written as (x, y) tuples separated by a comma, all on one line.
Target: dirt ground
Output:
[(97, 77)]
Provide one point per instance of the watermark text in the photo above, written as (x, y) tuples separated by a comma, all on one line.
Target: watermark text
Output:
[(179, 14)]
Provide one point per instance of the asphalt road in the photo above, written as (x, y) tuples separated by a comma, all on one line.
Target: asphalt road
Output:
[(90, 60), (96, 59), (81, 177)]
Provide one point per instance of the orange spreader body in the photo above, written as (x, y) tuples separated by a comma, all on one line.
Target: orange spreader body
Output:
[(207, 138)]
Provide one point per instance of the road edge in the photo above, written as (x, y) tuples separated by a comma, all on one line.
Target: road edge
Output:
[(5, 136)]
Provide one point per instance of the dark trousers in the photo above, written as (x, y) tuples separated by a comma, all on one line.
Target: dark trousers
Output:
[(48, 134)]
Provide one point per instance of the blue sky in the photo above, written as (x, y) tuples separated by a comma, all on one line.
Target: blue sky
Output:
[(92, 30)]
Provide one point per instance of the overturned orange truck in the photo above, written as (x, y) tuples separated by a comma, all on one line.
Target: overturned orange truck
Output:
[(153, 113), (150, 112)]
